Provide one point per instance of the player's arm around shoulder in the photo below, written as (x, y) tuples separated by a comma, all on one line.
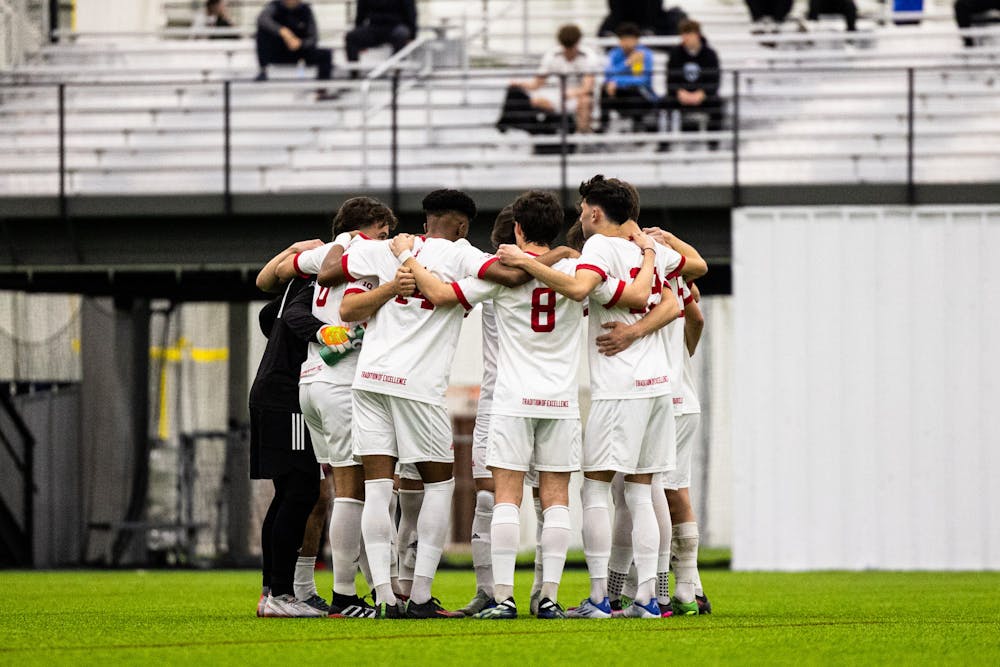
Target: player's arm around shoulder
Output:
[(361, 301), (694, 319), (636, 293), (269, 279), (431, 287), (692, 264), (576, 286), (510, 276)]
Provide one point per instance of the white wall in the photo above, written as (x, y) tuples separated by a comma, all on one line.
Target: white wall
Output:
[(118, 15), (866, 365)]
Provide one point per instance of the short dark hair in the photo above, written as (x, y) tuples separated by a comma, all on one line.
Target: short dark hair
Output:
[(503, 227), (569, 36), (628, 29), (359, 212), (574, 236), (540, 216), (688, 25), (615, 197), (440, 202), (211, 3)]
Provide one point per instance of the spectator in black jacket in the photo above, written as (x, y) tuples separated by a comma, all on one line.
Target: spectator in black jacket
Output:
[(845, 8), (287, 33), (381, 22), (966, 9), (693, 75), (767, 13)]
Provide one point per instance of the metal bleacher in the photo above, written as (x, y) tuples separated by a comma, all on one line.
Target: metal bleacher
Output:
[(147, 113)]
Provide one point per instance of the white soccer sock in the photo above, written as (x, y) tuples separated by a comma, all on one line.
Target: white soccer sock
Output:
[(555, 541), (394, 557), (304, 584), (662, 511), (685, 547), (409, 509), (505, 536), (645, 539), (536, 584), (628, 590), (621, 540), (366, 570), (376, 529), (596, 535), (345, 543), (481, 558), (432, 531)]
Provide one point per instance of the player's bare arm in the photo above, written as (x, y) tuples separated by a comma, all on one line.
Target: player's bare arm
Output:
[(575, 287), (694, 266), (434, 290), (694, 320), (636, 293), (268, 279), (361, 306), (332, 272), (620, 336), (508, 276)]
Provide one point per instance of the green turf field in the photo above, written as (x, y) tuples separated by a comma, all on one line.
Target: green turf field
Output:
[(86, 617)]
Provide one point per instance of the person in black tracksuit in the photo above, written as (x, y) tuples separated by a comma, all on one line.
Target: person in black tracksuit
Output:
[(280, 447), (845, 8), (649, 15), (693, 75), (286, 34), (966, 9), (381, 22)]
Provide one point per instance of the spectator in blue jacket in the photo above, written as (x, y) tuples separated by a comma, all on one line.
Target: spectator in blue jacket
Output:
[(628, 80)]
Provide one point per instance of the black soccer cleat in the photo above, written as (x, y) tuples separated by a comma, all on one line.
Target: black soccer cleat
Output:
[(704, 606), (430, 609), (350, 606)]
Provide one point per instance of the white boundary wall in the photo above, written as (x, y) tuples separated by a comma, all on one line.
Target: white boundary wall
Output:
[(866, 427)]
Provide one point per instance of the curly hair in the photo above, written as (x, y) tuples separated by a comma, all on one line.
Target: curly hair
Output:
[(618, 199), (440, 202), (359, 212)]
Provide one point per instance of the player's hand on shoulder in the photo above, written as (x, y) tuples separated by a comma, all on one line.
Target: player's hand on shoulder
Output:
[(565, 252), (302, 246), (510, 255), (659, 235), (619, 337), (644, 241), (405, 284), (400, 243)]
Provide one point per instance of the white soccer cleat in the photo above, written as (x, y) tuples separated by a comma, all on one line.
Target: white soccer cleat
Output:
[(649, 610), (286, 606), (588, 609)]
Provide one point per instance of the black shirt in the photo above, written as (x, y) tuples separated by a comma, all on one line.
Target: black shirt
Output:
[(300, 20), (288, 332), (388, 13), (693, 72)]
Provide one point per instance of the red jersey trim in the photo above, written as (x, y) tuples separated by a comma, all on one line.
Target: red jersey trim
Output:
[(461, 297), (676, 272), (354, 290), (618, 295), (689, 299), (596, 269), (487, 264), (295, 263), (362, 235), (343, 265)]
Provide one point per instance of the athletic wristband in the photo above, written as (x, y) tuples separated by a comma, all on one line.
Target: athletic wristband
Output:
[(403, 256), (343, 240), (652, 250)]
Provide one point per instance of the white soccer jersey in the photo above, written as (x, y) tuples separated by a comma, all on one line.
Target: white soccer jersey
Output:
[(641, 370), (326, 308), (689, 389), (490, 352), (538, 330), (409, 344)]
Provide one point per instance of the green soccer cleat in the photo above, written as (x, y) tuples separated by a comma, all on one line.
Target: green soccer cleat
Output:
[(684, 608)]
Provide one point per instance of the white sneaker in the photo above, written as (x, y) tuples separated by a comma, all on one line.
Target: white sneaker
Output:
[(588, 609), (286, 606), (650, 610), (262, 602)]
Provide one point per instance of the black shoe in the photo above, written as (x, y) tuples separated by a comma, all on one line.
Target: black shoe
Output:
[(327, 95), (350, 606), (430, 609), (389, 611), (616, 605), (261, 76), (704, 606)]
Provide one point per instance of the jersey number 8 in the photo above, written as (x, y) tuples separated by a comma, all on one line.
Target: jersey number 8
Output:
[(543, 310)]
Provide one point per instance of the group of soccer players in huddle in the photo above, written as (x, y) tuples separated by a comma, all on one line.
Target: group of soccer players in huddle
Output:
[(372, 394)]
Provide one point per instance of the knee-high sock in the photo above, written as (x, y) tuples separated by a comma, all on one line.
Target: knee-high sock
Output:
[(645, 539), (432, 531), (481, 527), (596, 535), (536, 584), (621, 540), (345, 543), (555, 541), (304, 584), (406, 538), (394, 550), (685, 547), (366, 570), (662, 511), (505, 535), (376, 529)]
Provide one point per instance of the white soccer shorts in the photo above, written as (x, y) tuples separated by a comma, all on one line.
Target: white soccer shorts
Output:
[(408, 430), (525, 443), (480, 445), (632, 436), (408, 471), (680, 477), (326, 409)]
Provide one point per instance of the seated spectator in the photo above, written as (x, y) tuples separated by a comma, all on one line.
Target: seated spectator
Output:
[(286, 34), (381, 22), (216, 15), (845, 8), (766, 13), (693, 76), (580, 65), (965, 11), (628, 80), (649, 15)]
